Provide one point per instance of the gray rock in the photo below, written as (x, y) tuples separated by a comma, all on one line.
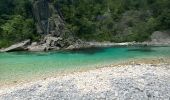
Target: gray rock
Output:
[(71, 47), (48, 43), (52, 41), (79, 44), (37, 48), (49, 19), (50, 22), (159, 37), (34, 44), (41, 13), (17, 47), (137, 83)]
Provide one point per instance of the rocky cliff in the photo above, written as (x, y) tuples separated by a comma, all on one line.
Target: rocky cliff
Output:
[(50, 24)]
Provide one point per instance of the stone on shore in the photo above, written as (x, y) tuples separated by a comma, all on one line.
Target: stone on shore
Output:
[(126, 82)]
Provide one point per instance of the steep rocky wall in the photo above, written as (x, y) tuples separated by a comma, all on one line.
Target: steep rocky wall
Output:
[(50, 23), (48, 19), (41, 15)]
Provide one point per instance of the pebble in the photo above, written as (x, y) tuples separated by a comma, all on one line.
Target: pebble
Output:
[(135, 82)]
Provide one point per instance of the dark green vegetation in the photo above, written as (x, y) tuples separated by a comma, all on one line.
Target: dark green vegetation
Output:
[(16, 21), (115, 20), (100, 20)]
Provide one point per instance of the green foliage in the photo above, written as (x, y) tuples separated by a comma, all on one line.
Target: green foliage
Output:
[(115, 20), (164, 19), (18, 28), (97, 20), (16, 22)]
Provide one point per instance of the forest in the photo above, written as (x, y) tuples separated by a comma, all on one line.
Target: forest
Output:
[(90, 20)]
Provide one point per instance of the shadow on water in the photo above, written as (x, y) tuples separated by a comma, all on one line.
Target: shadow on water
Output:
[(87, 51), (141, 49), (30, 53)]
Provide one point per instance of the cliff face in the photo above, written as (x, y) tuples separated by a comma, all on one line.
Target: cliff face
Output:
[(41, 14), (48, 20), (50, 23), (51, 26)]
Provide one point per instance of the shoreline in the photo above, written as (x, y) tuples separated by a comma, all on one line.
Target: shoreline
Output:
[(21, 46), (113, 44), (138, 62)]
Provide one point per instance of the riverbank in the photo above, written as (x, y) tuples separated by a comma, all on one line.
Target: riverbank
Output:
[(23, 46), (112, 44), (142, 79), (79, 44)]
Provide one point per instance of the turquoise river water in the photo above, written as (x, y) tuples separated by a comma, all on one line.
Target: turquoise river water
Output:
[(15, 66)]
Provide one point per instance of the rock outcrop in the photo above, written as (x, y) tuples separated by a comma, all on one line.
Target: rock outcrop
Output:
[(41, 14), (161, 37), (50, 43), (48, 19), (17, 47), (79, 44), (52, 26), (37, 48)]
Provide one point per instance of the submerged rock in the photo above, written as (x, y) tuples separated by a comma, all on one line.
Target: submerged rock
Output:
[(17, 47)]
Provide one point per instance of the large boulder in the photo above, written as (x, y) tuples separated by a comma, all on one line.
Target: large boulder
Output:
[(48, 43), (16, 47), (36, 48), (159, 37), (56, 42), (52, 41)]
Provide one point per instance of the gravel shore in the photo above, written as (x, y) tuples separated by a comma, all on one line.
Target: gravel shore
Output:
[(122, 82)]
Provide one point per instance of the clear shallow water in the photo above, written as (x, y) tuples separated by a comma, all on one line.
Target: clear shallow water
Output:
[(26, 65)]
